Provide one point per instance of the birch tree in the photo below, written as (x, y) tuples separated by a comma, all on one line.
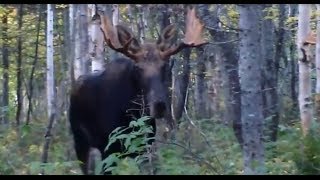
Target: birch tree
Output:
[(305, 102), (317, 97), (71, 55), (50, 83), (250, 84), (115, 21), (130, 16), (96, 46), (34, 63)]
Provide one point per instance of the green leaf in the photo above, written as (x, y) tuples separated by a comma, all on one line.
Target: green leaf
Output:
[(127, 142), (110, 160), (122, 136)]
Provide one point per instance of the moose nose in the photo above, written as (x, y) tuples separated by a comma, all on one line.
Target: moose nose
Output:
[(159, 109)]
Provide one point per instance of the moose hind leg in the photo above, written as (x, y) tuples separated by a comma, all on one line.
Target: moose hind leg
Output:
[(82, 151), (93, 158)]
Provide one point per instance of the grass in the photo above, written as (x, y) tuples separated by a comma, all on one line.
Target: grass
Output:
[(189, 154)]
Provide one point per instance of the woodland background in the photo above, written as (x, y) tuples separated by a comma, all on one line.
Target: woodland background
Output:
[(246, 103)]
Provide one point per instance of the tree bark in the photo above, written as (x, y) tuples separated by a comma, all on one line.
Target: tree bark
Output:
[(71, 47), (180, 81), (251, 95), (130, 16), (200, 86), (96, 43), (317, 96), (81, 63), (270, 66), (34, 64), (115, 21), (229, 54), (305, 99), (293, 86), (50, 84), (168, 67), (19, 63), (5, 64)]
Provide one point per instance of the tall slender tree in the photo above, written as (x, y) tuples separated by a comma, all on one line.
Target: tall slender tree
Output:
[(19, 64), (251, 94), (305, 99), (5, 65), (96, 46), (317, 97), (51, 105)]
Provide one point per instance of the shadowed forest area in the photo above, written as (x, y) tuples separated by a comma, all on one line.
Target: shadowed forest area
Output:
[(247, 101)]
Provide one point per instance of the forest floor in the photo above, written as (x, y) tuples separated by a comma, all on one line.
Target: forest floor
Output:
[(211, 148)]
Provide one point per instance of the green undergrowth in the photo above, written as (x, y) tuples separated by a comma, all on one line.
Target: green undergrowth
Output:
[(207, 148)]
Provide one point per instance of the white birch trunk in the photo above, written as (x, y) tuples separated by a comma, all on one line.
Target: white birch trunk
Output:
[(71, 44), (96, 48), (50, 84), (317, 62), (305, 102), (318, 51), (50, 64), (130, 17)]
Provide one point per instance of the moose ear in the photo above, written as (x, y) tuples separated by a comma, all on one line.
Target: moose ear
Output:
[(125, 35), (167, 37)]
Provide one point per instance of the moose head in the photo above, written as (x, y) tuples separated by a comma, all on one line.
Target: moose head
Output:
[(150, 58)]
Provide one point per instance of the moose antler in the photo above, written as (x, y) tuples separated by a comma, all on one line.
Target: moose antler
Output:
[(120, 39), (193, 35), (310, 39)]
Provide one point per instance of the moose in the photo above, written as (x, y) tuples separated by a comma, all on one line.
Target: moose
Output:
[(101, 102)]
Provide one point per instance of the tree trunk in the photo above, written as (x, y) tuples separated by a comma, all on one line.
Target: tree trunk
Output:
[(180, 74), (305, 99), (19, 63), (115, 21), (200, 86), (5, 64), (72, 32), (317, 96), (229, 54), (168, 67), (81, 63), (130, 16), (270, 63), (50, 84), (293, 80), (96, 43), (34, 64), (251, 95)]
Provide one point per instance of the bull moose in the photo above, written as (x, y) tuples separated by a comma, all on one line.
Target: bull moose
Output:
[(101, 102)]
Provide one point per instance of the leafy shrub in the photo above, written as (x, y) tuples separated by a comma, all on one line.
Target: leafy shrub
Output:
[(307, 157), (134, 142)]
